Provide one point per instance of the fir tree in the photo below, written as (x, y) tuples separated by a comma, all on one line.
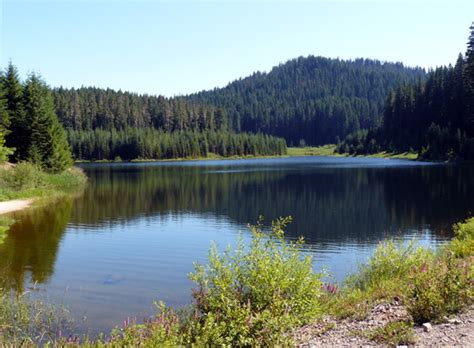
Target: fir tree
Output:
[(469, 83), (4, 118), (18, 136), (47, 146)]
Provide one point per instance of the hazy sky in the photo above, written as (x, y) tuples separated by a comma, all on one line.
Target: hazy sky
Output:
[(178, 47)]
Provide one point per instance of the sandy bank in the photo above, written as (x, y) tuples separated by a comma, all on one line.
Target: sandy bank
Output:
[(17, 204)]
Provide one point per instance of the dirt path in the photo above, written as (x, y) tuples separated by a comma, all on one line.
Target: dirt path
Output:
[(456, 332), (17, 204)]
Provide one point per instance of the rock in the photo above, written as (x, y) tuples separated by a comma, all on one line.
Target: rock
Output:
[(427, 327), (455, 321)]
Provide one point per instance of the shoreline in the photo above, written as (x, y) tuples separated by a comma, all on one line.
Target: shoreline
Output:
[(318, 151), (14, 205)]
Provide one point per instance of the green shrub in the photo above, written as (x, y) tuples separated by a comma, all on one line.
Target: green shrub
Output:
[(253, 295), (26, 180), (25, 323), (440, 288), (387, 269), (23, 176), (463, 243)]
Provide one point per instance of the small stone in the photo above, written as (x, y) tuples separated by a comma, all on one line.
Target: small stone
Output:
[(455, 321), (427, 327)]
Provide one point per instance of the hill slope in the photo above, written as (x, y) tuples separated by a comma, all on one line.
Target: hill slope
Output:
[(314, 98)]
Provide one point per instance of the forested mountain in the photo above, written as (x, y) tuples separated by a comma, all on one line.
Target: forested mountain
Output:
[(434, 118), (315, 99)]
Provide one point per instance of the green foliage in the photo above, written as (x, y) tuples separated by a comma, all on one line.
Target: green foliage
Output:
[(26, 180), (431, 284), (445, 286), (394, 333), (26, 322), (48, 146), (262, 291), (391, 263), (18, 135), (440, 288), (462, 245), (253, 295), (4, 151)]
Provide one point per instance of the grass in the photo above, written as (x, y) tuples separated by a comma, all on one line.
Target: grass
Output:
[(330, 150), (28, 181), (403, 155), (324, 150)]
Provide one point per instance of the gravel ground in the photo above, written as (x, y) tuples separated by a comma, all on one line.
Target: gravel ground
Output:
[(456, 332)]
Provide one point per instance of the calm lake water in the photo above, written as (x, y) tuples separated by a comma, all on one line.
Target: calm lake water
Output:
[(133, 235)]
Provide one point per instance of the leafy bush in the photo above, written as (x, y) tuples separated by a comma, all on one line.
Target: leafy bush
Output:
[(23, 176), (440, 288), (254, 295)]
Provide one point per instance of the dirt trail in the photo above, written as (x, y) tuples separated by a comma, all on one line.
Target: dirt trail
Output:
[(458, 331)]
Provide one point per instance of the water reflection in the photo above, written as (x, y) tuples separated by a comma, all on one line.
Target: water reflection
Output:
[(31, 246), (328, 204)]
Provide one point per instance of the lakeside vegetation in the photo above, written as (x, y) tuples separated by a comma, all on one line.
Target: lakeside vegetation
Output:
[(25, 180), (259, 293), (32, 138)]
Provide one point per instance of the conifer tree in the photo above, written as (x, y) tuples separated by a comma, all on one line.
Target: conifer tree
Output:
[(4, 119), (18, 136), (469, 82), (4, 151), (48, 146)]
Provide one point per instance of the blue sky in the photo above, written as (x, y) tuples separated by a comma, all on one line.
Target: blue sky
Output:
[(179, 47)]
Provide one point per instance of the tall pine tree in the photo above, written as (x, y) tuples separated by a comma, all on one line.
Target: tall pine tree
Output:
[(469, 83), (18, 136), (48, 146), (4, 118)]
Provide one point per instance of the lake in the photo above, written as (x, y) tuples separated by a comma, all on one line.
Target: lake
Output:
[(132, 236)]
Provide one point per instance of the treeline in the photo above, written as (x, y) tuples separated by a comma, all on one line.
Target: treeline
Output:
[(89, 108), (314, 99), (149, 143), (105, 124), (29, 128), (434, 118)]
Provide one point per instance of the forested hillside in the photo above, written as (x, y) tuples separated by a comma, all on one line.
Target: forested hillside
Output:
[(315, 99), (434, 118)]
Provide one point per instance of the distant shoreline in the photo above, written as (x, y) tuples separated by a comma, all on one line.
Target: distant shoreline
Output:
[(307, 151)]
